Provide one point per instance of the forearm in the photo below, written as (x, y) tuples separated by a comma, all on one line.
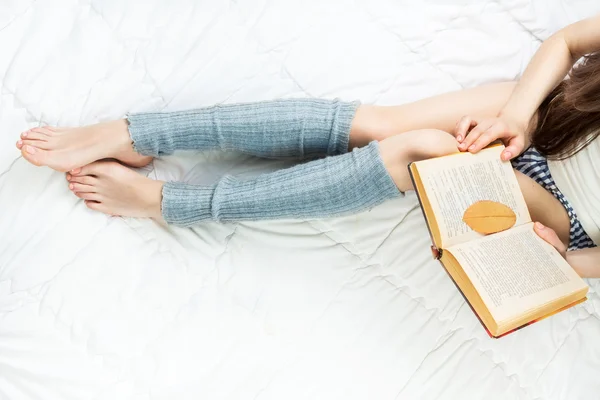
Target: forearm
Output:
[(549, 66), (585, 261)]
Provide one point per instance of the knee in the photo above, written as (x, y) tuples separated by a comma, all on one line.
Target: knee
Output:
[(422, 144)]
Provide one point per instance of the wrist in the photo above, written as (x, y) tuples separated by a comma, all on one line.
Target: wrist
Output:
[(518, 120)]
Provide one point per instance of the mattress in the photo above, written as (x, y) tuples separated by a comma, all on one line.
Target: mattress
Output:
[(98, 307)]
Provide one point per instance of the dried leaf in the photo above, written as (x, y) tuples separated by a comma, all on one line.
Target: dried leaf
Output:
[(489, 217)]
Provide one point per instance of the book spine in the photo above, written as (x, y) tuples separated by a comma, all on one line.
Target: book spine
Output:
[(435, 251)]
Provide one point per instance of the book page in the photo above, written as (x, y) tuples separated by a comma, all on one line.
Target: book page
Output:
[(454, 183), (516, 270)]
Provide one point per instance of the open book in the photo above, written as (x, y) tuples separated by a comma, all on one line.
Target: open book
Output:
[(510, 278)]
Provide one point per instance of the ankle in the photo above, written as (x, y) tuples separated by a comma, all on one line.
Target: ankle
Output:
[(152, 199), (116, 135), (120, 128)]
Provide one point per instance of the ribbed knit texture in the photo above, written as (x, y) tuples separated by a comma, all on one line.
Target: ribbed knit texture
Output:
[(289, 128), (332, 186)]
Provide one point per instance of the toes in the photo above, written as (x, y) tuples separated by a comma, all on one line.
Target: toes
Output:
[(45, 130), (79, 188), (88, 196), (84, 180), (34, 135), (97, 168), (34, 143), (96, 206), (33, 155), (90, 169), (92, 205)]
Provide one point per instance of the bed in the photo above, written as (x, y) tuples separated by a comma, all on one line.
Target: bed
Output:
[(97, 307)]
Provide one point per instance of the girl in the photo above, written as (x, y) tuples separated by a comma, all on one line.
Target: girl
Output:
[(366, 150), (561, 120)]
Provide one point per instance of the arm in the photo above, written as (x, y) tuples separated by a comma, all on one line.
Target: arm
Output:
[(586, 262), (547, 68)]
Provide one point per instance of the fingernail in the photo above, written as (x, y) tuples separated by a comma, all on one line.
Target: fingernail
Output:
[(507, 155), (461, 146), (75, 171), (539, 226), (24, 134), (71, 186), (30, 149), (472, 147), (20, 142), (68, 177), (459, 138)]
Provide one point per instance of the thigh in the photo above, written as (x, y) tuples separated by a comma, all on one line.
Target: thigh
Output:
[(439, 112), (544, 207)]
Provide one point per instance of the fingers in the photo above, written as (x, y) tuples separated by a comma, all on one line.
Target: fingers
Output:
[(463, 126), (474, 135), (486, 137), (486, 132), (515, 147), (551, 237)]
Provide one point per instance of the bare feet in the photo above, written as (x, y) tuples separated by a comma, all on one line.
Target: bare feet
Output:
[(114, 189), (66, 149)]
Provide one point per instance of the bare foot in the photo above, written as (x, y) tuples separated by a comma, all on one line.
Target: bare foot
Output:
[(66, 149), (114, 189)]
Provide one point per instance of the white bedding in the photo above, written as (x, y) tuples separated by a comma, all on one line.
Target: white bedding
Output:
[(93, 307)]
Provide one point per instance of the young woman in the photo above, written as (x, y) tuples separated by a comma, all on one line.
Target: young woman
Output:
[(366, 150), (561, 120)]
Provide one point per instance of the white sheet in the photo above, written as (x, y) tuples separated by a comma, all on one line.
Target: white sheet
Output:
[(93, 307)]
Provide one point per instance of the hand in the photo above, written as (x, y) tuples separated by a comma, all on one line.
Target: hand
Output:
[(473, 135), (551, 237)]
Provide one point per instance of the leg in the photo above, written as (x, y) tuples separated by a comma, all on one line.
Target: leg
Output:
[(282, 128), (332, 186), (439, 112), (295, 128), (306, 127), (289, 128)]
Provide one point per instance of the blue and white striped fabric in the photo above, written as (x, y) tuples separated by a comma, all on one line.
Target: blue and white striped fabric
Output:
[(535, 166)]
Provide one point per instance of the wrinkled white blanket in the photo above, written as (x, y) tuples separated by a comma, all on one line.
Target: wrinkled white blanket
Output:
[(93, 307)]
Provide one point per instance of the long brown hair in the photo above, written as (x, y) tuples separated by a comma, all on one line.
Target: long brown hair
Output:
[(569, 118)]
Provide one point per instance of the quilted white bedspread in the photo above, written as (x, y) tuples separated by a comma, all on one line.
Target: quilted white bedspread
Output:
[(93, 307)]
